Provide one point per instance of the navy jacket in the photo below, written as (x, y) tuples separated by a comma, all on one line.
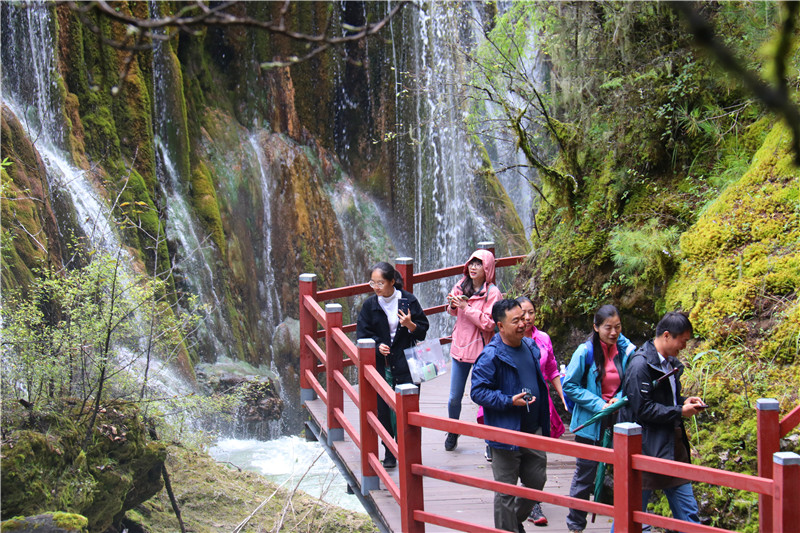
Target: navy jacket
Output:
[(495, 380), (373, 324), (651, 407)]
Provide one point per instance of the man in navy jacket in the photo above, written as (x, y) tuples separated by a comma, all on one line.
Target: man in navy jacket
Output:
[(656, 403), (508, 382)]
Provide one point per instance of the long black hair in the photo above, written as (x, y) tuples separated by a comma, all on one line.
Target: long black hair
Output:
[(466, 286), (602, 314), (389, 274)]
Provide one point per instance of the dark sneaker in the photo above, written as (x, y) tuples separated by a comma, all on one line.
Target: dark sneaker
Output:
[(450, 442), (389, 461), (537, 516), (488, 453)]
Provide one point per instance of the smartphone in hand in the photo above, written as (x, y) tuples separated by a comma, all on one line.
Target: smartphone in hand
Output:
[(402, 305)]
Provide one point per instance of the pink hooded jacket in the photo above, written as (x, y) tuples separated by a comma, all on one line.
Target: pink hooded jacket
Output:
[(474, 325)]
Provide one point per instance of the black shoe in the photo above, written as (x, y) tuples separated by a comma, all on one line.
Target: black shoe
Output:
[(451, 442), (488, 453), (537, 516), (389, 461)]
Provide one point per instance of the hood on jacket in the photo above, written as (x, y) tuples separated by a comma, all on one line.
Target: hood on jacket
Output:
[(487, 258)]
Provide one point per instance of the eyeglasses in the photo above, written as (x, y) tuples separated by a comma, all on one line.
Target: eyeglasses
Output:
[(376, 284)]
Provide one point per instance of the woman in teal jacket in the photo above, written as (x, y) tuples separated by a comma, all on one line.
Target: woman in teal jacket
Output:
[(593, 381)]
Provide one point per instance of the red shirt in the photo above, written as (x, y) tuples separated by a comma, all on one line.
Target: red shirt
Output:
[(611, 381)]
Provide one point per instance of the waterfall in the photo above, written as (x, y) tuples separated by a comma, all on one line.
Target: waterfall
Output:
[(30, 91), (267, 286)]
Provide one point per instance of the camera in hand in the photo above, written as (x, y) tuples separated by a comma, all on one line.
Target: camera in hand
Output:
[(528, 397)]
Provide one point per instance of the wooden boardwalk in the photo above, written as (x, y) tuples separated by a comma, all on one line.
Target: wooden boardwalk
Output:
[(449, 499)]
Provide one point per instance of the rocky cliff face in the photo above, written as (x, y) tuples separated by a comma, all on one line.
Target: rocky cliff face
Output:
[(232, 179)]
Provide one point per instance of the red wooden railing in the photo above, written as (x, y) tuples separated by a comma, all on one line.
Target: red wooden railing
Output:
[(777, 483)]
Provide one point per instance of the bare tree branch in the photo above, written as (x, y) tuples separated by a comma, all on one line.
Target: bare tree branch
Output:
[(196, 14)]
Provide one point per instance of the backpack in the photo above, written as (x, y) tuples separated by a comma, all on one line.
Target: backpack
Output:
[(584, 377)]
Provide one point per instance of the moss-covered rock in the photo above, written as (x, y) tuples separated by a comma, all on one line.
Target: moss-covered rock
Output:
[(57, 522), (47, 465)]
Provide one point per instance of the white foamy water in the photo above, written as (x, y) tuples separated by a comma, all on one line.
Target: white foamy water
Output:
[(286, 460)]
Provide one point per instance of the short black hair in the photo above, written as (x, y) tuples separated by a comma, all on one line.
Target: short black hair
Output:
[(676, 323), (500, 308)]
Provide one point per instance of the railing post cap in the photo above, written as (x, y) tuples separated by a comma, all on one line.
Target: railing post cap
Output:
[(628, 428), (406, 389), (333, 308), (366, 343), (767, 404), (483, 245), (786, 458), (308, 277), (404, 261)]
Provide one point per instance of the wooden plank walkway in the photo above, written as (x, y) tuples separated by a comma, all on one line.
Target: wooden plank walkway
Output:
[(449, 499)]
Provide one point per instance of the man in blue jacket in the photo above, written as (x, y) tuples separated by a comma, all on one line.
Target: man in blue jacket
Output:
[(508, 382)]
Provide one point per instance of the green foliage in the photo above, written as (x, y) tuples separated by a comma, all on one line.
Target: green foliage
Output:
[(71, 326), (646, 256)]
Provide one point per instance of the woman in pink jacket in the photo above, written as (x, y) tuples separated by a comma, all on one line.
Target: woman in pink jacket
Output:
[(471, 302), (552, 376)]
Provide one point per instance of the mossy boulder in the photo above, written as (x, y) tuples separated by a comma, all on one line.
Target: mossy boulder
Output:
[(57, 522), (46, 464)]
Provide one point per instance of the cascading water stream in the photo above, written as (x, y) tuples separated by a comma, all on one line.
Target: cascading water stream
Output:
[(267, 286), (30, 91)]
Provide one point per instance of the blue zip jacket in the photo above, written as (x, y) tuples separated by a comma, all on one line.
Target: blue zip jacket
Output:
[(589, 400), (495, 381)]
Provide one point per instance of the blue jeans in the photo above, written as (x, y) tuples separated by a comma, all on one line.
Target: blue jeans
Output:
[(681, 500), (459, 372)]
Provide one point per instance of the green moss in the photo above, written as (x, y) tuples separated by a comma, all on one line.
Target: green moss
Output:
[(70, 521), (47, 467), (204, 201), (745, 246)]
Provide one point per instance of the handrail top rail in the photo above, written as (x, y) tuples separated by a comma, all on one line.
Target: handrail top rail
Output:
[(420, 277)]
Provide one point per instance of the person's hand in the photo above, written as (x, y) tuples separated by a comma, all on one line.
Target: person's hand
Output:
[(405, 320), (519, 399), (692, 405), (611, 401), (384, 349), (459, 303)]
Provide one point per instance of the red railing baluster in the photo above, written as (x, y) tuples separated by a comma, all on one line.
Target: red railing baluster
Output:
[(487, 245), (405, 266), (368, 400), (333, 352), (409, 444), (786, 503), (308, 287), (627, 481), (768, 438)]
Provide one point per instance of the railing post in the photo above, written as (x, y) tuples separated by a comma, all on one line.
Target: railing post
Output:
[(405, 266), (786, 505), (627, 481), (368, 400), (308, 326), (768, 435), (409, 445), (487, 245), (333, 318)]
